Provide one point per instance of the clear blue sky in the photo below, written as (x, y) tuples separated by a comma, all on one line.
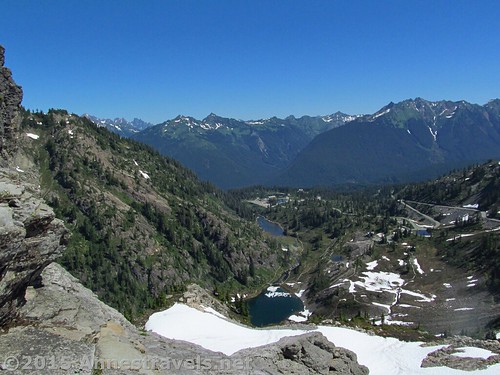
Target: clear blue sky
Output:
[(248, 59)]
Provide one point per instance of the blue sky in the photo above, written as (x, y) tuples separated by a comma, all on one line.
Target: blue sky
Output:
[(249, 59)]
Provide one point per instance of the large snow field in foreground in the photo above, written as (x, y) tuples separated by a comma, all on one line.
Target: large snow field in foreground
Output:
[(384, 356)]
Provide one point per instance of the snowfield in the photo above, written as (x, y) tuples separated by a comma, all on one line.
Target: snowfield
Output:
[(384, 356)]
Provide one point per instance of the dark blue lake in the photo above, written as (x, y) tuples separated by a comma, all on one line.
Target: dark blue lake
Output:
[(273, 306), (272, 228)]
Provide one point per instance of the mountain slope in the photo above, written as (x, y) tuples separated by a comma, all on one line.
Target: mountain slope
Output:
[(233, 153), (408, 141), (142, 225)]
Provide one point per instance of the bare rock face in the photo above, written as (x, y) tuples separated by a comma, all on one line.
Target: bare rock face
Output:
[(11, 96), (68, 330), (30, 239), (306, 354)]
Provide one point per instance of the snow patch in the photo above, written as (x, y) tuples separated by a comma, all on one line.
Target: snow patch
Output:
[(423, 298), (475, 205), (434, 134), (32, 136), (472, 352), (144, 174), (387, 307), (405, 305), (371, 265), (301, 316), (419, 269), (378, 281), (381, 114), (336, 285), (381, 355)]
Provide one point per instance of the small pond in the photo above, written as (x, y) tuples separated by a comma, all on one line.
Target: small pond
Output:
[(272, 306), (268, 226)]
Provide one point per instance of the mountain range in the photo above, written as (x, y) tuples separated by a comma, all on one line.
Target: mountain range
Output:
[(233, 153), (408, 141), (119, 125)]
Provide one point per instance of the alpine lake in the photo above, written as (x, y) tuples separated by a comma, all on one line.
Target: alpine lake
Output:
[(273, 305)]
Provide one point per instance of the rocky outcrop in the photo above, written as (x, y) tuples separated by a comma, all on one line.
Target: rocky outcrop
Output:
[(30, 235), (30, 239), (445, 356), (307, 354), (11, 96), (63, 328)]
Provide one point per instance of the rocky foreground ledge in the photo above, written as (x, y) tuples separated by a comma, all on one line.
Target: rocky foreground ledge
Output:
[(30, 239), (63, 328)]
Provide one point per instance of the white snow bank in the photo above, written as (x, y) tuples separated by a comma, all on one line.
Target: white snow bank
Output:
[(423, 298), (182, 322), (144, 174), (419, 269), (300, 293), (19, 169), (383, 356), (378, 281), (475, 205), (460, 236), (32, 136), (301, 316), (472, 352), (371, 265)]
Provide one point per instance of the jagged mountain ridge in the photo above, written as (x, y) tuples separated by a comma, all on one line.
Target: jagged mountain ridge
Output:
[(408, 141), (234, 153), (119, 125)]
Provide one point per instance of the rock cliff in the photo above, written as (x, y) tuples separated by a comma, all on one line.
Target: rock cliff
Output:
[(30, 239), (30, 235), (11, 96)]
